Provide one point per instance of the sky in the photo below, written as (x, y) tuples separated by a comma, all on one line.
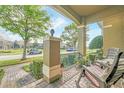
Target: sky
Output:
[(58, 23), (94, 31)]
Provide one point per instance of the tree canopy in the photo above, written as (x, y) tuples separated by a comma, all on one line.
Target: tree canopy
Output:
[(96, 43), (29, 21), (70, 35)]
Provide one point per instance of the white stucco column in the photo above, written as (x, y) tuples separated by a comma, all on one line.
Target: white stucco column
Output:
[(82, 39)]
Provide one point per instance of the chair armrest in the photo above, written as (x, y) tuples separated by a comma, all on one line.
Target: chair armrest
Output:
[(102, 64), (121, 63), (99, 79)]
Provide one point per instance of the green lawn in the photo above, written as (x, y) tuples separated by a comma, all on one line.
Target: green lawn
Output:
[(11, 52), (19, 51), (91, 50), (27, 68), (17, 61), (1, 74)]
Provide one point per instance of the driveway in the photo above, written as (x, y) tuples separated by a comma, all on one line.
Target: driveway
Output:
[(11, 57)]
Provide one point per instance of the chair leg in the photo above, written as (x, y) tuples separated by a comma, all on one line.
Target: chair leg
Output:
[(122, 83), (118, 79), (82, 74)]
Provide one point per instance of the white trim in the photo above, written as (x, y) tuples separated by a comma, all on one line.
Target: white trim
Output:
[(107, 26)]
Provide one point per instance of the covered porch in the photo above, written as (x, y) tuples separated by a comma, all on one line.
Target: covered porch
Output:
[(111, 18)]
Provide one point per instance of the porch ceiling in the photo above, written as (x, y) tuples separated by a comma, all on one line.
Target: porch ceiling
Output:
[(85, 10), (77, 12), (91, 12)]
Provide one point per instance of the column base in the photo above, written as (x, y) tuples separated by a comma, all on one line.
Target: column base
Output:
[(51, 74), (51, 80)]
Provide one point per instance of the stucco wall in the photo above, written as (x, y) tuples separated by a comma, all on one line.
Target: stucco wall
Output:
[(113, 34)]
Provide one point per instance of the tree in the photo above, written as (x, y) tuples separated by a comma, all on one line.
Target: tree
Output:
[(28, 21), (70, 35), (97, 42), (15, 44), (35, 44)]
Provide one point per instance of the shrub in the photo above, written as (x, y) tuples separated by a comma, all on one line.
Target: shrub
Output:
[(36, 69), (99, 54), (94, 55), (91, 57), (86, 59), (27, 68), (1, 74), (80, 60)]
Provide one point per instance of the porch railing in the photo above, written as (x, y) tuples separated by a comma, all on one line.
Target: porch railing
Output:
[(68, 59)]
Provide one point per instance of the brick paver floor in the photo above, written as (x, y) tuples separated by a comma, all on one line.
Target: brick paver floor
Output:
[(69, 81), (12, 75), (15, 73)]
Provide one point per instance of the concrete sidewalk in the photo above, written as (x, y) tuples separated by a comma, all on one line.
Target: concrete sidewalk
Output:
[(11, 57)]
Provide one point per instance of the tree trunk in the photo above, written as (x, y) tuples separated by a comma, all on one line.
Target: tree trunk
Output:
[(24, 49), (74, 45)]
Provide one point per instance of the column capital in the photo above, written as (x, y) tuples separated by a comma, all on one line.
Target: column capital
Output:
[(80, 26), (51, 38)]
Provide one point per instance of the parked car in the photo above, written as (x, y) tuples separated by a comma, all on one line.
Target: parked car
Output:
[(34, 51), (71, 49)]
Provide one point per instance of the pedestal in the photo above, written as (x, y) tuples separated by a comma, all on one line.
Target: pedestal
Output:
[(51, 59)]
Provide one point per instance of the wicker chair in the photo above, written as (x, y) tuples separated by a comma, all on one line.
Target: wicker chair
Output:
[(93, 76), (108, 59)]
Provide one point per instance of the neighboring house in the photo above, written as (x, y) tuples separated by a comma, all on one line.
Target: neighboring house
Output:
[(29, 45), (20, 43), (62, 45), (40, 45), (32, 45), (5, 44)]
